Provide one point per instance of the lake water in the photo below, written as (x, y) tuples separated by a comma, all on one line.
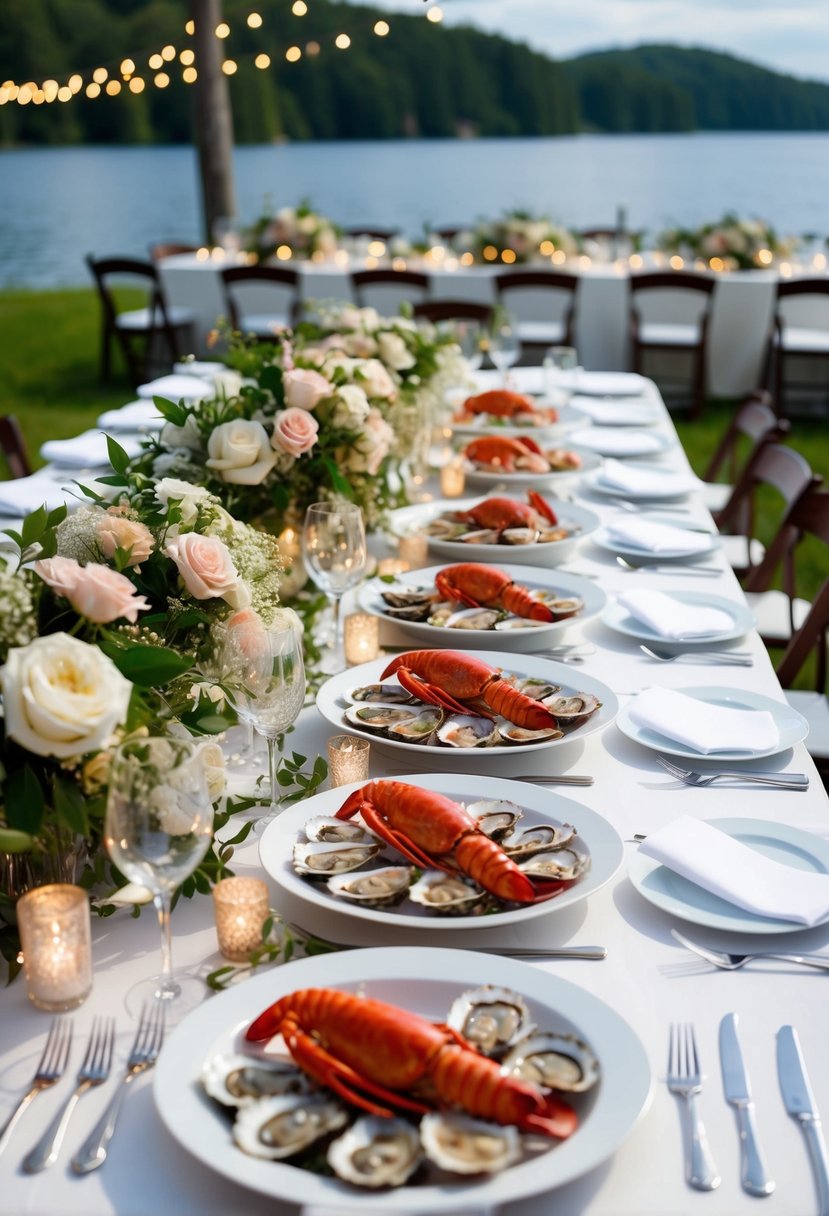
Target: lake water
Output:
[(61, 203)]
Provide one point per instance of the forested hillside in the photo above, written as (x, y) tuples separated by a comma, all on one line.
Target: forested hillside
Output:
[(419, 80)]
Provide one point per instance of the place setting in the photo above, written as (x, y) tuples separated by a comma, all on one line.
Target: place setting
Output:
[(678, 622), (622, 442), (640, 483), (656, 541)]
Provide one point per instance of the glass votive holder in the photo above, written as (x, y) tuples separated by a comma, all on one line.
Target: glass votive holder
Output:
[(413, 549), (55, 937), (391, 566), (347, 759), (452, 479), (242, 907), (361, 635)]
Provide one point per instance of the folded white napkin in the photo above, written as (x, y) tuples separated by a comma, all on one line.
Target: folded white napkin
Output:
[(728, 868), (633, 479), (86, 451), (605, 384), (704, 727), (176, 388), (137, 416), (23, 495), (651, 537), (670, 618), (615, 413), (207, 369), (617, 441)]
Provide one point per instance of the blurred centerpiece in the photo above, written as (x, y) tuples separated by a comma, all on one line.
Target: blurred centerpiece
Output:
[(291, 232), (731, 243), (516, 238)]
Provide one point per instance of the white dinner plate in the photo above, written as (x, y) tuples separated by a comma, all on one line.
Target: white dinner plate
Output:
[(618, 618), (621, 411), (674, 485), (332, 701), (792, 726), (532, 637), (540, 805), (708, 541), (608, 441), (533, 481), (604, 384), (548, 433), (579, 521), (683, 898), (425, 981)]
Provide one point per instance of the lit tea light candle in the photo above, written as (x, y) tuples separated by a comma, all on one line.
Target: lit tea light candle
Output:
[(452, 479), (347, 759), (413, 549), (391, 565), (361, 634), (56, 942), (241, 907)]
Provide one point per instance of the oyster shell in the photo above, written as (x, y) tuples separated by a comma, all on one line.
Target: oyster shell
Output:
[(446, 894), (418, 729), (411, 612), (373, 888), (378, 717), (496, 816), (407, 598), (321, 858), (473, 618), (482, 536), (532, 686), (277, 1128), (330, 830), (540, 838), (563, 607), (387, 694), (566, 865), (491, 1018), (376, 1152), (468, 1146), (519, 536), (509, 732), (440, 614), (549, 535), (554, 1061), (446, 528), (236, 1080), (466, 730), (519, 622), (574, 709)]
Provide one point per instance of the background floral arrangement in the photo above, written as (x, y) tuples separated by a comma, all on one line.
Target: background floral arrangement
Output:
[(529, 238), (740, 243), (303, 231)]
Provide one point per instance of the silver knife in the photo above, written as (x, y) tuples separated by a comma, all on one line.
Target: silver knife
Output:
[(754, 1177), (799, 1102)]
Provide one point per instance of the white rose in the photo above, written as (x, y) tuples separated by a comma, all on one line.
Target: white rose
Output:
[(228, 382), (352, 408), (188, 497), (358, 318), (362, 345), (62, 697), (213, 760), (395, 353), (175, 813), (371, 447), (241, 452), (187, 436), (374, 378)]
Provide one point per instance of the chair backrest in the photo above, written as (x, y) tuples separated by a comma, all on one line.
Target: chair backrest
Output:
[(527, 286), (802, 287), (371, 230), (553, 280), (13, 446), (169, 249), (809, 516), (675, 280), (242, 276), (756, 421), (106, 271), (672, 296), (453, 310), (363, 280)]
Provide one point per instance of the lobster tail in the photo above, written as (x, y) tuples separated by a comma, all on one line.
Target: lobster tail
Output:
[(519, 600), (518, 707), (486, 862)]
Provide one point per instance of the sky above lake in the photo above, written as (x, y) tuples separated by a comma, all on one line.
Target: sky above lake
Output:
[(788, 35)]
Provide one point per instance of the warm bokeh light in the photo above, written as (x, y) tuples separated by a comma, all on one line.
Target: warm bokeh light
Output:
[(100, 75), (377, 248), (508, 256), (136, 85), (676, 262), (299, 8), (381, 28), (155, 62), (75, 83), (24, 95), (127, 67), (284, 253), (162, 80), (342, 42), (819, 261), (38, 97), (93, 90), (293, 54), (65, 94), (717, 264), (222, 30), (50, 89), (187, 57), (113, 88), (254, 20), (312, 48), (636, 261), (168, 52), (190, 28), (467, 259), (434, 14), (490, 253), (765, 257), (189, 75), (558, 257), (229, 67), (398, 263), (546, 249)]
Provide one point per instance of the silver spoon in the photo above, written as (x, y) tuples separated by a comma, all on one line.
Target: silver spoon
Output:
[(728, 658)]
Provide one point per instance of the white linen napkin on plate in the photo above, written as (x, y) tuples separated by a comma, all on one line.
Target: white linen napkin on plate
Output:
[(670, 618), (136, 416), (86, 451), (605, 384), (713, 860), (652, 537), (176, 388), (23, 495), (703, 727), (623, 412), (632, 479), (617, 441)]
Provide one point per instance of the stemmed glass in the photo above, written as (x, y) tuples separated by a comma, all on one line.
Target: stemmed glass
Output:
[(158, 826), (468, 335), (504, 345), (264, 677), (334, 552)]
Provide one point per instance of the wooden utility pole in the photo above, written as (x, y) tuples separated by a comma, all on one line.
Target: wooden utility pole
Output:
[(213, 117)]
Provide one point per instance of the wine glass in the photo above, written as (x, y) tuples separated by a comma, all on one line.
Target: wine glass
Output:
[(334, 551), (504, 345), (158, 826), (561, 367), (264, 677), (468, 335)]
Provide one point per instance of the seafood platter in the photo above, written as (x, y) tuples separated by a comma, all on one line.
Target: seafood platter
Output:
[(521, 608), (537, 530), (503, 412), (444, 702), (478, 852), (524, 460), (282, 1083)]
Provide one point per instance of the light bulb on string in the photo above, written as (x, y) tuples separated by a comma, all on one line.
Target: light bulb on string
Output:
[(254, 20), (293, 54)]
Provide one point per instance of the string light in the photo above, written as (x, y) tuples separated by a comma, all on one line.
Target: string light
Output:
[(190, 28), (229, 67), (168, 52), (222, 30), (187, 57), (312, 48), (381, 28), (136, 85), (127, 68), (50, 89), (93, 90), (162, 80), (113, 88), (293, 53), (434, 14), (263, 61), (75, 83), (65, 94), (38, 97), (254, 20), (100, 75), (24, 96), (189, 75), (342, 42), (299, 8), (155, 62)]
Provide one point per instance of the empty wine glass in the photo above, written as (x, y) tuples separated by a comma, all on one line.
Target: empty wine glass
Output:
[(468, 335), (264, 677), (504, 345), (158, 826), (561, 368), (334, 551)]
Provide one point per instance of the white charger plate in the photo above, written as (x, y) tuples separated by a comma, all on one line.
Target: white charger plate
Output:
[(569, 419), (425, 981), (669, 492), (708, 542), (685, 899), (534, 481), (604, 440), (618, 618), (792, 726), (332, 702), (531, 638), (540, 805), (408, 521)]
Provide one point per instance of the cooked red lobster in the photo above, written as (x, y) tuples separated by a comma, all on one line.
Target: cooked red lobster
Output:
[(504, 513), (477, 586), (364, 1049), (503, 403), (510, 454), (459, 682)]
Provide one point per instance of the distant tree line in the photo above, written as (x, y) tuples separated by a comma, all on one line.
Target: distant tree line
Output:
[(419, 80)]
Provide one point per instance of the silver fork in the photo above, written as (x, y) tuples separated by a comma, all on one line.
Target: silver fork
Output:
[(678, 568), (781, 781), (144, 1052), (728, 658), (685, 1080), (733, 962), (94, 1070), (50, 1069)]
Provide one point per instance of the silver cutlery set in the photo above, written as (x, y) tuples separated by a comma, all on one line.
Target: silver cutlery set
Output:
[(95, 1069), (684, 1078)]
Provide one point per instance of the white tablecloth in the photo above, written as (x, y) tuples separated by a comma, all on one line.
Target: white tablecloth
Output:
[(646, 977)]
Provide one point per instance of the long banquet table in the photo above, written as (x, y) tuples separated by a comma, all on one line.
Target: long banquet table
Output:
[(647, 977)]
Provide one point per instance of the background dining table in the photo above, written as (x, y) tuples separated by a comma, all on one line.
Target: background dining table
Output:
[(647, 977)]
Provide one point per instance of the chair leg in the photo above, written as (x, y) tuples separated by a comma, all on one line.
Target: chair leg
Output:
[(106, 353), (779, 403)]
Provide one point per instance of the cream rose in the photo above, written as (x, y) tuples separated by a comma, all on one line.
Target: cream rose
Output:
[(394, 352), (352, 408), (294, 431), (118, 532), (240, 452), (304, 388), (375, 379), (358, 318), (62, 697), (94, 591), (373, 445), (227, 382), (213, 760), (187, 436), (185, 494), (207, 569)]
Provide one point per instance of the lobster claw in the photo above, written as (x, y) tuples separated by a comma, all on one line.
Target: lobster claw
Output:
[(542, 506), (430, 693)]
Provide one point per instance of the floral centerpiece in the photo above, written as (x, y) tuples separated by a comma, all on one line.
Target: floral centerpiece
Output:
[(516, 238), (732, 242), (295, 232)]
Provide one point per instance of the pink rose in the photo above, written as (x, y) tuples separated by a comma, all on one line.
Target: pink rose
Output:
[(94, 591), (304, 388), (207, 569), (117, 532), (295, 431)]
